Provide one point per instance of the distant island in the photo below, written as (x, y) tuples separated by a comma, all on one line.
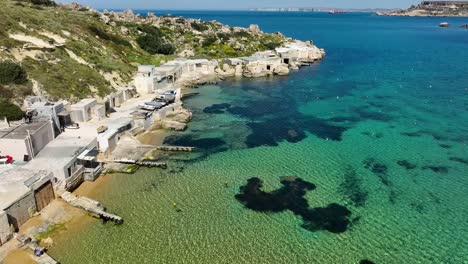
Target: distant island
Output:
[(433, 8)]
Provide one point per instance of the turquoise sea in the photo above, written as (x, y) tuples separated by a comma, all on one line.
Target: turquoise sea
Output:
[(379, 127)]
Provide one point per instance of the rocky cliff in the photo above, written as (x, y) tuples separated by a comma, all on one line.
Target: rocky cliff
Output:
[(72, 52), (433, 8)]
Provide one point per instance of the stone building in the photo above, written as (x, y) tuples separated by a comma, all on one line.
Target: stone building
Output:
[(22, 193)]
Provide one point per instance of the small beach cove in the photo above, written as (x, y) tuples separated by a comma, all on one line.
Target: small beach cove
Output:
[(367, 126)]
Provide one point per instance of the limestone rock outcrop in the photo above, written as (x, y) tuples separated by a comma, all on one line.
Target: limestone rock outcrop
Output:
[(173, 125)]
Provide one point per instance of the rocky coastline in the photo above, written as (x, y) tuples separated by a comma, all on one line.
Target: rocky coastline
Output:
[(432, 9)]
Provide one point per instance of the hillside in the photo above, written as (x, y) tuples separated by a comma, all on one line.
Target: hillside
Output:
[(71, 52), (433, 8)]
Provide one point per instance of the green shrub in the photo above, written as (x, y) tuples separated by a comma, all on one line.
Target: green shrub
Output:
[(241, 34), (224, 36), (272, 45), (199, 26), (150, 30), (152, 41), (110, 37), (208, 41), (41, 2), (12, 73), (11, 111), (155, 45), (44, 2)]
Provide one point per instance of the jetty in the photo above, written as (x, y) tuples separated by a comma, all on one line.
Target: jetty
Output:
[(91, 206), (171, 148), (142, 163), (176, 148)]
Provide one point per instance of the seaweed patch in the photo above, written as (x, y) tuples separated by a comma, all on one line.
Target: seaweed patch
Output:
[(445, 146), (460, 160), (378, 169), (366, 261), (352, 188), (411, 134), (437, 169), (406, 164), (216, 108), (333, 218)]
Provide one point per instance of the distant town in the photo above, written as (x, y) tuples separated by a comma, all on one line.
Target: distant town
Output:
[(319, 9)]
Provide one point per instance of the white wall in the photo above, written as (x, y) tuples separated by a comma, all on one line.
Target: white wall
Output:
[(16, 148)]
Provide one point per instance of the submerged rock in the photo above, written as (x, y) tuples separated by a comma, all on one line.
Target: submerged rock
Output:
[(333, 218)]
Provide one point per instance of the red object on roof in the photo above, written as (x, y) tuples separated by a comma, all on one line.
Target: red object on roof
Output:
[(9, 159)]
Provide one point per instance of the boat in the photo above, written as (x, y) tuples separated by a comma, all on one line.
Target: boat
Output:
[(334, 12), (72, 126)]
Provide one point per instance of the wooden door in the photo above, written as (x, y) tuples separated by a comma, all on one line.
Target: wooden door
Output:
[(44, 195)]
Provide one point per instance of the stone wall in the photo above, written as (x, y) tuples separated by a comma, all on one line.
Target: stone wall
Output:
[(20, 211), (5, 232)]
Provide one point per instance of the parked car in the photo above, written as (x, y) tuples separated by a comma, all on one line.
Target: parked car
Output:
[(157, 105), (147, 107)]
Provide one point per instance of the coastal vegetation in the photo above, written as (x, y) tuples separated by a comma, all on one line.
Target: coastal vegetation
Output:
[(10, 111), (11, 72), (73, 52)]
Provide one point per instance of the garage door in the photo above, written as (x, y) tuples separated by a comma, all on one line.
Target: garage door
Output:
[(44, 195)]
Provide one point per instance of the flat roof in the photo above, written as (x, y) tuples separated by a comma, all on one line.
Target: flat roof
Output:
[(14, 181), (59, 152), (168, 68), (21, 131), (84, 102)]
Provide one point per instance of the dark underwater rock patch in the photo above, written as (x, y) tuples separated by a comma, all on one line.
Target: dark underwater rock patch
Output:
[(437, 169), (263, 108), (460, 160), (366, 261), (366, 114), (270, 132), (378, 169), (418, 207), (352, 188), (216, 108), (406, 164), (445, 146), (333, 218), (411, 134)]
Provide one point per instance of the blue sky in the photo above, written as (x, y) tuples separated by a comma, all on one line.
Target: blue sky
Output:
[(240, 4)]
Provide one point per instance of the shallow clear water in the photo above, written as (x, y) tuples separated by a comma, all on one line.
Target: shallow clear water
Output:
[(380, 126)]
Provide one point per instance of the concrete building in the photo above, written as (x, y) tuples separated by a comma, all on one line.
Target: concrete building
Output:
[(299, 52), (107, 141), (22, 193), (62, 158), (115, 99), (256, 66), (86, 110), (25, 141), (146, 79), (201, 66), (127, 93), (50, 111)]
